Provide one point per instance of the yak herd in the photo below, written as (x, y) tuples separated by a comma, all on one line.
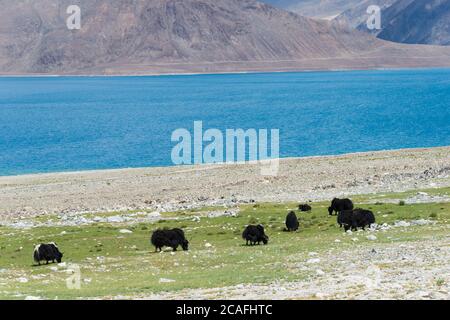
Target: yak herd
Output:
[(347, 216)]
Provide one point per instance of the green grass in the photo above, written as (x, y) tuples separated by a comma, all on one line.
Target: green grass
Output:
[(125, 264), (402, 195)]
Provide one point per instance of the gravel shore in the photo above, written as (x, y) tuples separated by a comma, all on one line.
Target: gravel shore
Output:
[(415, 270), (178, 188)]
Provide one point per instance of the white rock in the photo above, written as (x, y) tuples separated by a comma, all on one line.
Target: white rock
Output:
[(349, 232), (355, 239), (125, 231), (54, 268), (421, 222), (208, 245), (313, 261), (63, 233), (116, 219), (164, 280), (22, 280), (402, 224), (374, 226), (371, 237), (337, 240), (320, 272), (422, 293), (62, 264), (83, 220), (385, 226), (313, 253)]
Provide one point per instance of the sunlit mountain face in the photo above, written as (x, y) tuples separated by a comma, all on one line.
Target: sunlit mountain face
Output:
[(327, 9)]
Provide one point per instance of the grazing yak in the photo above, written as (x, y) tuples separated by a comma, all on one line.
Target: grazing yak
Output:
[(354, 219), (304, 207), (47, 252), (338, 205), (363, 218), (255, 235), (291, 222), (344, 218), (169, 238)]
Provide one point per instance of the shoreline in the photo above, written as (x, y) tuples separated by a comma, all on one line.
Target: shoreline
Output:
[(209, 166), (163, 74), (170, 189)]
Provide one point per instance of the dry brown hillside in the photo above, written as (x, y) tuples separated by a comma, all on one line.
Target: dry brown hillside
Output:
[(165, 36)]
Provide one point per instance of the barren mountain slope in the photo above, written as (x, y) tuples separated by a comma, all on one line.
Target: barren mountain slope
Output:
[(315, 8), (419, 21), (165, 36), (357, 16)]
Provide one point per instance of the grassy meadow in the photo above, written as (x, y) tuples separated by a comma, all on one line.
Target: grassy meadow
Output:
[(115, 264)]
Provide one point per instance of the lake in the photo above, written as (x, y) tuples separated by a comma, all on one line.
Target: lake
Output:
[(51, 124)]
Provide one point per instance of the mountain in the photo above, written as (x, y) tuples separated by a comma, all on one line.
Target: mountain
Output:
[(187, 36), (418, 21), (405, 21), (357, 16), (323, 9)]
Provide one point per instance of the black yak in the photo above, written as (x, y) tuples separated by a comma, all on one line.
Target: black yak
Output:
[(255, 235), (338, 205), (304, 207), (344, 219), (169, 238), (354, 219), (47, 252), (291, 222), (362, 218)]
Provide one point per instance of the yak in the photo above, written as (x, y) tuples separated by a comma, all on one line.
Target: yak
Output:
[(169, 238), (344, 219), (47, 252), (255, 235), (362, 218), (291, 222), (354, 219), (304, 207), (338, 205)]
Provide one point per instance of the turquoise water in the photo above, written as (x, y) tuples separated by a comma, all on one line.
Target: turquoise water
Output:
[(79, 123)]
